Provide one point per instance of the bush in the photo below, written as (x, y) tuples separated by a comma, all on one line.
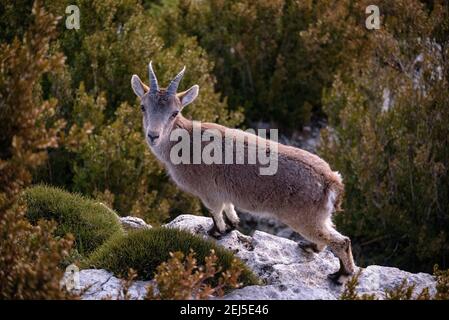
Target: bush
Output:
[(145, 250), (180, 278), (90, 222), (263, 53), (388, 136), (103, 154), (29, 255), (30, 258), (117, 167)]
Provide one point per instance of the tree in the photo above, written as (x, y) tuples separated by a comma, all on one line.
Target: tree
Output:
[(270, 57), (29, 255), (116, 40), (388, 135)]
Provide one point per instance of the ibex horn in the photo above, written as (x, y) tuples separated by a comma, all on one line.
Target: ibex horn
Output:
[(154, 87), (173, 87)]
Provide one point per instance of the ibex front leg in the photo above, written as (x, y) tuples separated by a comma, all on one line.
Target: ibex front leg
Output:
[(216, 210), (231, 217)]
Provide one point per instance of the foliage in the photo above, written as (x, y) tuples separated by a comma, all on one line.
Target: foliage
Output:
[(28, 127), (442, 286), (126, 284), (29, 255), (388, 136), (272, 57), (90, 222), (383, 93), (350, 289), (180, 278), (258, 53), (116, 164), (405, 291), (117, 40), (103, 153), (13, 24), (145, 250)]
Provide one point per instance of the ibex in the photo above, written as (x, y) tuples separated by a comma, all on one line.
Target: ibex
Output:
[(303, 193)]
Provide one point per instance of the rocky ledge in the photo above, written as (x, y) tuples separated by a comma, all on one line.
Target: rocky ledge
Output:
[(287, 271)]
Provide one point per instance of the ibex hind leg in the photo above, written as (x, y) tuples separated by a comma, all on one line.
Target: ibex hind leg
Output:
[(341, 247), (311, 247), (326, 235)]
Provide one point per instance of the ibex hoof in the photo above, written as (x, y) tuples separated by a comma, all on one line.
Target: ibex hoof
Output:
[(339, 278), (215, 233), (230, 225), (309, 247)]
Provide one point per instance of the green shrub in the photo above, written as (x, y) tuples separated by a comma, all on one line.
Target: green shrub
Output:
[(278, 72), (389, 137), (30, 256), (261, 68), (104, 154), (90, 222), (181, 278), (145, 250)]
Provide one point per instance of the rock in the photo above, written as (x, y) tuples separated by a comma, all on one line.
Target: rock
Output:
[(194, 224), (103, 285), (291, 273), (249, 223), (130, 223), (377, 279), (286, 271)]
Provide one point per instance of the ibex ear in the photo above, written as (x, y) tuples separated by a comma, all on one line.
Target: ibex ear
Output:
[(188, 96), (138, 86)]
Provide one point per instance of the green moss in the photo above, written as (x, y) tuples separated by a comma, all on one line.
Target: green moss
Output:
[(144, 250), (90, 222)]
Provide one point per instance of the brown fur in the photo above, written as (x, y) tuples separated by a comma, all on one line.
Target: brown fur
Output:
[(296, 195), (303, 193)]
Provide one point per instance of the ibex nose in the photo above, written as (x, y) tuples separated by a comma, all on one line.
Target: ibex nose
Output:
[(152, 136)]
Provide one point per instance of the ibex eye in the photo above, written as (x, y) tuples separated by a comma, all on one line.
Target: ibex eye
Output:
[(142, 107), (174, 114)]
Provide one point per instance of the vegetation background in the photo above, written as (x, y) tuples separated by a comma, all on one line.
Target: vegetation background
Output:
[(69, 118)]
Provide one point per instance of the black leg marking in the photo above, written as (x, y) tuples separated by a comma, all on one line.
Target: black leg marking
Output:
[(339, 276), (214, 231), (309, 247)]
